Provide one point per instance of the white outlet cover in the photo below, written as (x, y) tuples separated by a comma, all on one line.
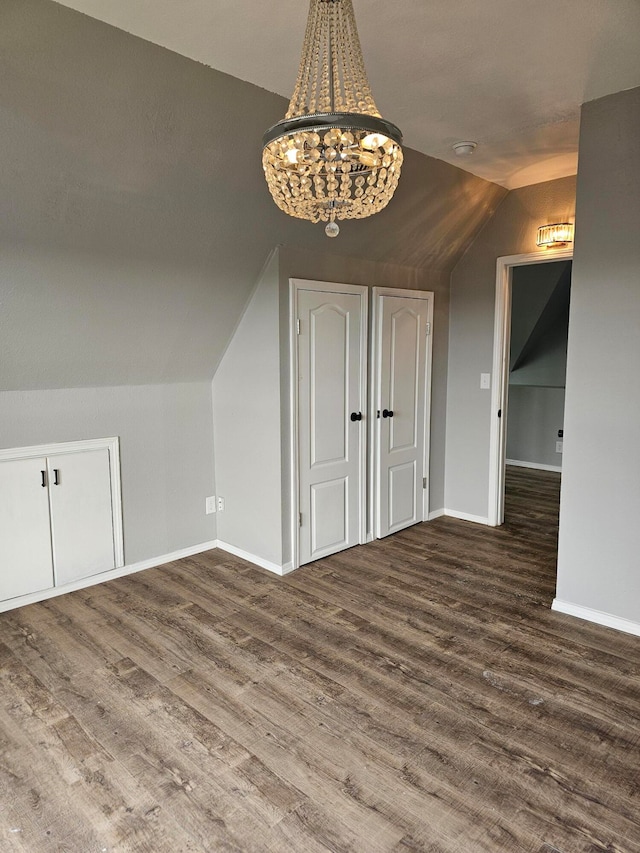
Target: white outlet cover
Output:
[(485, 381), (210, 505)]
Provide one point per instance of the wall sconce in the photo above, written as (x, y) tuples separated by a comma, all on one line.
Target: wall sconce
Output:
[(558, 234)]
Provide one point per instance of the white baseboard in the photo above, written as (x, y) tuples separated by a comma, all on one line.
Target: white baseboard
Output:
[(83, 583), (597, 616), (537, 465), (437, 513), (253, 558), (465, 516)]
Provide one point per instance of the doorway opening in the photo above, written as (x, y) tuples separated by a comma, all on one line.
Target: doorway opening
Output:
[(529, 366)]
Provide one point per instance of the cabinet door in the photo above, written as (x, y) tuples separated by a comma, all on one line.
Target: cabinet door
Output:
[(25, 537), (81, 514)]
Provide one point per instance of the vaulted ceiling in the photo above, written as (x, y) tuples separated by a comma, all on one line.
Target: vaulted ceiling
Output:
[(508, 74)]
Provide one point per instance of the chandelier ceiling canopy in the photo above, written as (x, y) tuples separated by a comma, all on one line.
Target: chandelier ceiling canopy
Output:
[(333, 156)]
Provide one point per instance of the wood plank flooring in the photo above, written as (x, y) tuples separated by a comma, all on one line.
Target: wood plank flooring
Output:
[(414, 694)]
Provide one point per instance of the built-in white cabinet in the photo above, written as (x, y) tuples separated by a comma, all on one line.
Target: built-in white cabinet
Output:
[(26, 563), (60, 515)]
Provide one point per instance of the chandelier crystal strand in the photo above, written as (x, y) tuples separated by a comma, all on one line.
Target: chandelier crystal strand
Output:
[(333, 156)]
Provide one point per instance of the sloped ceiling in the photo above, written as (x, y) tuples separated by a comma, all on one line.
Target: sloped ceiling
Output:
[(509, 74), (134, 217), (539, 356), (532, 287)]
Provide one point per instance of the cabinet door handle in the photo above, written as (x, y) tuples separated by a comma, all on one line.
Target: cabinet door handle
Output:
[(356, 416), (44, 479), (56, 476), (387, 413)]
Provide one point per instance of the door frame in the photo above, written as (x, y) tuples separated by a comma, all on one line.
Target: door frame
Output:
[(376, 368), (295, 286), (500, 370)]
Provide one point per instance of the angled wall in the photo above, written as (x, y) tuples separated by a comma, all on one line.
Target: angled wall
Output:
[(247, 427), (598, 564)]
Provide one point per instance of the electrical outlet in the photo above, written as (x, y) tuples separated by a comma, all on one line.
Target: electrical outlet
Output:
[(485, 381), (558, 447), (210, 505), (220, 504)]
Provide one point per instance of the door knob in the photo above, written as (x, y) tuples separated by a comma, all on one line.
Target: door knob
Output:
[(356, 416), (387, 413)]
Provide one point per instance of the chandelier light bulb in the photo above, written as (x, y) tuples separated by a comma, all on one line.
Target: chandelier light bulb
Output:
[(333, 156)]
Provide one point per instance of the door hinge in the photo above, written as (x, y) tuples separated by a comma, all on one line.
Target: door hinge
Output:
[(424, 482), (428, 332), (299, 519), (298, 326)]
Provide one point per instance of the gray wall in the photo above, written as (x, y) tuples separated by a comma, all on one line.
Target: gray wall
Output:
[(247, 414), (511, 231), (598, 562), (165, 449), (535, 415)]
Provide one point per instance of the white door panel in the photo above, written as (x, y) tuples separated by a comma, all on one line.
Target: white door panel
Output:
[(81, 514), (403, 363), (25, 538), (402, 495), (329, 512), (402, 354), (329, 383), (330, 470)]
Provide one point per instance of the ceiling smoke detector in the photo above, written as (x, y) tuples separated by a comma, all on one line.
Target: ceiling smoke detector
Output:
[(464, 149)]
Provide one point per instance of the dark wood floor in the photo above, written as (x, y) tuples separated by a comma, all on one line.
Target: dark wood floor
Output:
[(415, 694)]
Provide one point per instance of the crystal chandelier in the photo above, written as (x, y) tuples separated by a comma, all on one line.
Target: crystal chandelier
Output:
[(333, 156)]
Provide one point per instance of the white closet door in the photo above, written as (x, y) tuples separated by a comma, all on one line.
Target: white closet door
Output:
[(401, 413), (81, 514), (25, 539), (331, 353)]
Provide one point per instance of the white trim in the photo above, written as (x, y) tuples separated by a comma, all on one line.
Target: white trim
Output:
[(436, 513), (112, 445), (401, 291), (295, 286), (466, 516), (428, 379), (539, 466), (142, 565), (253, 558), (102, 577), (500, 383), (618, 623)]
